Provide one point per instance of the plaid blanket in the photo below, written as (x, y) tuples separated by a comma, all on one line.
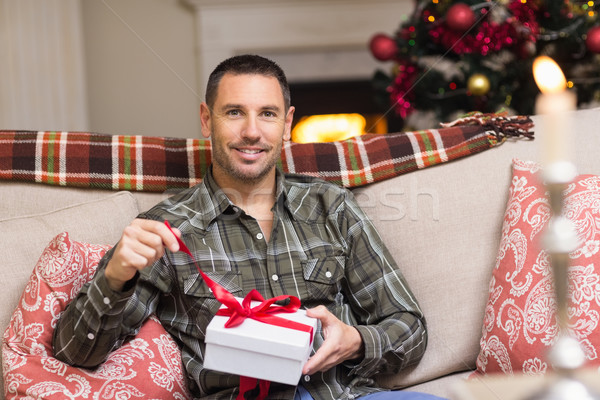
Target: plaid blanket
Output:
[(139, 163)]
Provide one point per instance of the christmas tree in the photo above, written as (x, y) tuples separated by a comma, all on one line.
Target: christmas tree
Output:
[(451, 57)]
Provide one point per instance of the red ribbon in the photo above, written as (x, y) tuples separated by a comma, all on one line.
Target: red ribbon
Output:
[(239, 312)]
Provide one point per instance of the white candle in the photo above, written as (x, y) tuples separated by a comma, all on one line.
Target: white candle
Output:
[(553, 105)]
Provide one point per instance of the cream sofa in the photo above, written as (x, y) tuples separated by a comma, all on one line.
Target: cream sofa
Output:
[(442, 225)]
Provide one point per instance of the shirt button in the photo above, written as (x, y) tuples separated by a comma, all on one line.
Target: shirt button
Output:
[(306, 378), (106, 300), (90, 336), (235, 209), (259, 236), (328, 274), (275, 277)]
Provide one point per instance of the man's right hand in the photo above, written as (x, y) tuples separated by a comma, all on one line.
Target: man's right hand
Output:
[(143, 242)]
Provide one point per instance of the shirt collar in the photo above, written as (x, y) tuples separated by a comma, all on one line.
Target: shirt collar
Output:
[(215, 203), (282, 194)]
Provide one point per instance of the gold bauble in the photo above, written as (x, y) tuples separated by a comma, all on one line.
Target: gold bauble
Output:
[(478, 84)]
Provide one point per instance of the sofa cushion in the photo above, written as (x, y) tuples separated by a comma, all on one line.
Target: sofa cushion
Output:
[(19, 199), (445, 243), (520, 324), (23, 238), (148, 366)]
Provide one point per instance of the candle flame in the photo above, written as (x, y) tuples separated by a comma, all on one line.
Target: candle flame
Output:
[(548, 75)]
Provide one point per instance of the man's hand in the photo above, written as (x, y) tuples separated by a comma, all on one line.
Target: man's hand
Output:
[(342, 342), (143, 242)]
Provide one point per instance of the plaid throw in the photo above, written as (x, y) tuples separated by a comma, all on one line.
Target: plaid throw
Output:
[(156, 164)]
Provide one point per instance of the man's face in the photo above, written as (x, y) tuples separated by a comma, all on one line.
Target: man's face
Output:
[(248, 124)]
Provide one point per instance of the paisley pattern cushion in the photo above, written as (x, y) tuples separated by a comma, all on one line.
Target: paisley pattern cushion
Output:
[(519, 325), (146, 367)]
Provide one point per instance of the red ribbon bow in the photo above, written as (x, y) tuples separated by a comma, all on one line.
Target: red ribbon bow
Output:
[(239, 312)]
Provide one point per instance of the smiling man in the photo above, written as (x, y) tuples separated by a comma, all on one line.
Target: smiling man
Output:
[(250, 119), (252, 227)]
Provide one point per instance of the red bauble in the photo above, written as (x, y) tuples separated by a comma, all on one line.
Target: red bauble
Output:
[(592, 42), (383, 47), (460, 17)]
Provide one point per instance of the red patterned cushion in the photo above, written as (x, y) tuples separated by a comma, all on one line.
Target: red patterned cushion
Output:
[(519, 325), (148, 366)]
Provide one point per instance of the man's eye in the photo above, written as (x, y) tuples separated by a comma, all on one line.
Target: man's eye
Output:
[(233, 112), (269, 114)]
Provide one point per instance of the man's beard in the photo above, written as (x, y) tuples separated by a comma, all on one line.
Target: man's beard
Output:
[(221, 159)]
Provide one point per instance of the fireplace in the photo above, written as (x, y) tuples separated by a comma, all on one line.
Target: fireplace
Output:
[(321, 45), (336, 97)]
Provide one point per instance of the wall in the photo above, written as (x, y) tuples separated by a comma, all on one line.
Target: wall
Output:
[(140, 66), (42, 75)]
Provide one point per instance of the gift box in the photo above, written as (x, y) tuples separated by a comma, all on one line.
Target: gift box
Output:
[(259, 350)]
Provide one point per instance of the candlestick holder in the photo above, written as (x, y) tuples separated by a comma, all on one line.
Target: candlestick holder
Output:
[(566, 355)]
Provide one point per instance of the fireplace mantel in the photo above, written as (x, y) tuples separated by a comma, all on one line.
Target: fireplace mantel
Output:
[(312, 40)]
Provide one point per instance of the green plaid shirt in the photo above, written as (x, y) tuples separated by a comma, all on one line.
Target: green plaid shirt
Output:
[(323, 249)]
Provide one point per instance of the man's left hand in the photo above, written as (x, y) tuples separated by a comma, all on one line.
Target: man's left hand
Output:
[(342, 342)]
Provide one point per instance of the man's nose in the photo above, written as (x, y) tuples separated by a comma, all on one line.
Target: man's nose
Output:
[(251, 129)]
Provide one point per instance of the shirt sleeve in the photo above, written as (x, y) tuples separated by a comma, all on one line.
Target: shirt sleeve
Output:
[(390, 320), (99, 319)]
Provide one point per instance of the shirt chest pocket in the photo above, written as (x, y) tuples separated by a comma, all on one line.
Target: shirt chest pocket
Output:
[(200, 299), (323, 277)]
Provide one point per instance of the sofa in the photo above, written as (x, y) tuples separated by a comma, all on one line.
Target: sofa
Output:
[(442, 224)]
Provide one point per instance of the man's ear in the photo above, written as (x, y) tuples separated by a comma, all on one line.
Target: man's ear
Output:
[(289, 117), (205, 120)]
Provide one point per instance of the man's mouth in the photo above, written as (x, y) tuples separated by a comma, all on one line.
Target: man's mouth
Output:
[(250, 151)]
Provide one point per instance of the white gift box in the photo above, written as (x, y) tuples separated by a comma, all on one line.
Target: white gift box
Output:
[(259, 350)]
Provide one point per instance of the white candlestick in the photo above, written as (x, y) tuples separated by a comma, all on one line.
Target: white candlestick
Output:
[(555, 132), (553, 105)]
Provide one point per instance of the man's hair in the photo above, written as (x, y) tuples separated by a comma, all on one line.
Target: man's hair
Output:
[(246, 64)]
